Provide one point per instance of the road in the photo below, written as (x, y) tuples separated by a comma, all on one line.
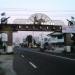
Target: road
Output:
[(32, 62)]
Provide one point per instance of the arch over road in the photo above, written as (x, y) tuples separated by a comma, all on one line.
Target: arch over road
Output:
[(43, 24)]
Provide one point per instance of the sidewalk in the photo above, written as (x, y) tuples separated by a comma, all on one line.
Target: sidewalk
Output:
[(56, 51), (61, 53), (7, 64)]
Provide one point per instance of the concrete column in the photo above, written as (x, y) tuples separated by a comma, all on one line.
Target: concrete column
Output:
[(10, 39), (67, 42)]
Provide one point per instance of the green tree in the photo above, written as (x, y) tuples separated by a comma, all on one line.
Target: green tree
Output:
[(29, 39)]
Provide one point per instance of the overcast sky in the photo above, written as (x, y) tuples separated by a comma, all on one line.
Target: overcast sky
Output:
[(39, 4), (55, 9)]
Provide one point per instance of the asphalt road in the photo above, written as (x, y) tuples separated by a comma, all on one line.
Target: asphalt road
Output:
[(29, 61)]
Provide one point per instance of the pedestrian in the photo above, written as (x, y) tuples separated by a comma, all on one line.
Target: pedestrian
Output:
[(4, 48)]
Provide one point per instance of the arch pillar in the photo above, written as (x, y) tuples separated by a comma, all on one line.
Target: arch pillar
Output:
[(67, 42), (10, 42)]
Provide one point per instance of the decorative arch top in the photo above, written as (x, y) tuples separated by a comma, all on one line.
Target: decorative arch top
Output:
[(39, 18)]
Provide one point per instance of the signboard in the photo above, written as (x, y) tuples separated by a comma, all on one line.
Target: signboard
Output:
[(68, 29)]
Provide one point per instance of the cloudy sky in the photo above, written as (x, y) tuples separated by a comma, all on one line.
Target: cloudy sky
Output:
[(55, 9), (39, 4)]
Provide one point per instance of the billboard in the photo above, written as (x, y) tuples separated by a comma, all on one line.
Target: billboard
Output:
[(68, 29)]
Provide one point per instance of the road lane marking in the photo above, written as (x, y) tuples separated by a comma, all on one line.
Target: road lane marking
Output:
[(22, 55), (33, 65)]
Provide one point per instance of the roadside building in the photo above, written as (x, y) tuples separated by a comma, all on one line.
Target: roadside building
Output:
[(57, 40)]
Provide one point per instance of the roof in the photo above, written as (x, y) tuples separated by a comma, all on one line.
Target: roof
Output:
[(56, 33)]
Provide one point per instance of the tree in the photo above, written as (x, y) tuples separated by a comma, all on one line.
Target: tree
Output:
[(29, 39), (39, 18)]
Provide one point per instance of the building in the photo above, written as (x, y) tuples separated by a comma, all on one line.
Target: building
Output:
[(57, 40)]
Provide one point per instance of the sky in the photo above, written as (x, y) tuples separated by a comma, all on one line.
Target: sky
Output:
[(39, 4), (55, 9)]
